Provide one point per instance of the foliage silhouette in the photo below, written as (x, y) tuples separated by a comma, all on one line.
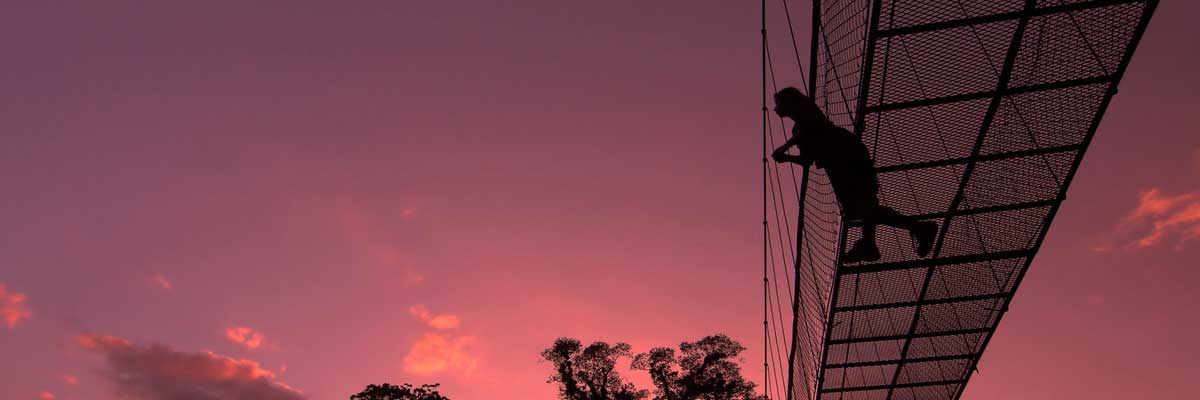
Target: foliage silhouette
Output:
[(700, 370), (406, 391), (704, 369), (589, 373)]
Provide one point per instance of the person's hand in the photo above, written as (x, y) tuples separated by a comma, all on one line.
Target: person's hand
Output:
[(779, 156), (780, 153)]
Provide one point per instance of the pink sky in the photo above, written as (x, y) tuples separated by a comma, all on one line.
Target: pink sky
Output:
[(304, 199)]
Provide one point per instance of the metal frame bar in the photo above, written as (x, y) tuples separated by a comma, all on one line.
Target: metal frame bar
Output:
[(987, 19), (912, 360), (947, 300), (912, 336), (933, 262), (980, 210), (981, 158), (956, 98), (894, 386), (1014, 48)]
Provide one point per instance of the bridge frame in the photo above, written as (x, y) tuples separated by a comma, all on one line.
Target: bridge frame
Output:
[(1013, 113)]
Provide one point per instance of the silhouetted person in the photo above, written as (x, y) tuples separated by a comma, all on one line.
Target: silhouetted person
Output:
[(851, 172)]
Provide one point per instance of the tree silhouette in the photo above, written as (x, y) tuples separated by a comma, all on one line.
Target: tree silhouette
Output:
[(700, 370), (704, 369), (589, 373), (406, 391)]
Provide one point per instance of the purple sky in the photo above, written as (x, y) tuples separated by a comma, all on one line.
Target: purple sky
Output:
[(324, 196)]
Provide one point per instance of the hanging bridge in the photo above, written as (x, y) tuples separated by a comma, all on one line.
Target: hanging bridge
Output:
[(977, 114)]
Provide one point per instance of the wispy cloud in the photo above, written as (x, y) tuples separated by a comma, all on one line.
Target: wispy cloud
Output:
[(46, 396), (1164, 219), (247, 337), (434, 353), (409, 276), (70, 379), (372, 238), (439, 322), (160, 372), (13, 310), (162, 282), (1158, 219)]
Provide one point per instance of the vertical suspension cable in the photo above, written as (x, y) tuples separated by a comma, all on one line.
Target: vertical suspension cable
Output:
[(801, 353), (763, 98), (795, 47)]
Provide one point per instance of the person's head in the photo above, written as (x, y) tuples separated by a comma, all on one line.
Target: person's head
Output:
[(790, 103)]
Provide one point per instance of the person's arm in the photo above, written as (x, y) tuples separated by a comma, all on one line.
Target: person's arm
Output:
[(781, 151), (780, 154)]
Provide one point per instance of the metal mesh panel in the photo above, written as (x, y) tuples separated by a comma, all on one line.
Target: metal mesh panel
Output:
[(818, 251), (977, 114), (929, 133), (840, 44), (917, 12)]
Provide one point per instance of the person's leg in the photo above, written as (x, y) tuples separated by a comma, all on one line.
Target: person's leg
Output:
[(923, 232), (868, 230), (865, 249), (890, 217)]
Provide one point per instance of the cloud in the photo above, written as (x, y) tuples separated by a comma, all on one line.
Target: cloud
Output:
[(244, 336), (1161, 218), (13, 309), (162, 282), (70, 379), (439, 322), (373, 240), (158, 372), (46, 396), (434, 353), (439, 352)]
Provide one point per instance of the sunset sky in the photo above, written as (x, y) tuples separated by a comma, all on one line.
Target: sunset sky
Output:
[(296, 200)]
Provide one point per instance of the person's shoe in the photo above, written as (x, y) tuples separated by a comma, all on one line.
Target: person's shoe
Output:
[(924, 234), (861, 252)]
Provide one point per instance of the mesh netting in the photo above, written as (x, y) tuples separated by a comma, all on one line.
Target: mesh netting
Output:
[(977, 114), (804, 253)]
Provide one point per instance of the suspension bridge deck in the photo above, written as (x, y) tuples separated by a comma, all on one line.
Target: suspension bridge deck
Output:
[(977, 114)]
